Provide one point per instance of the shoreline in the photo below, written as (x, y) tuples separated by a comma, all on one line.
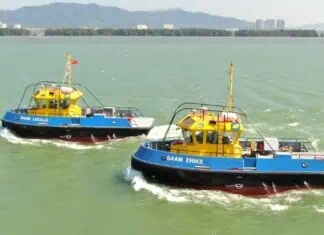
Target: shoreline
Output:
[(183, 32)]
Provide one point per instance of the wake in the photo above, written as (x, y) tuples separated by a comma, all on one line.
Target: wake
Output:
[(275, 203)]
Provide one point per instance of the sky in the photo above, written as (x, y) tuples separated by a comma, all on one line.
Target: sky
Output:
[(295, 12)]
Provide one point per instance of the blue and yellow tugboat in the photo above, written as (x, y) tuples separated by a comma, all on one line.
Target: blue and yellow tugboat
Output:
[(54, 112), (210, 152)]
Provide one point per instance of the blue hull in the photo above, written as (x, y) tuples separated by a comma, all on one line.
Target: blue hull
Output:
[(82, 129), (248, 176)]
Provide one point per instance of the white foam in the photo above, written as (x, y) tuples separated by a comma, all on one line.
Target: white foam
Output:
[(294, 124), (278, 207), (268, 110), (319, 209), (6, 134), (139, 184), (229, 201)]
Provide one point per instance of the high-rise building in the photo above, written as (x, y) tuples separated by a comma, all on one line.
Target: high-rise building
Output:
[(281, 24), (17, 26), (3, 25), (168, 26), (142, 27), (270, 24), (259, 25)]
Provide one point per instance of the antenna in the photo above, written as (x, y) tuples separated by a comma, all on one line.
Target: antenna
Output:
[(230, 89), (69, 68)]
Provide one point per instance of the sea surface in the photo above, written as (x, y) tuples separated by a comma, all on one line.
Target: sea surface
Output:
[(54, 187)]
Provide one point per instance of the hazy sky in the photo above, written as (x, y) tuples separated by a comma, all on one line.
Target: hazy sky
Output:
[(295, 12)]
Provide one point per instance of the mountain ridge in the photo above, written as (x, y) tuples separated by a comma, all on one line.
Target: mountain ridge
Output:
[(76, 15)]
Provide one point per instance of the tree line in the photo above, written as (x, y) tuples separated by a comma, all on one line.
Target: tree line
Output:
[(137, 32), (186, 32), (181, 32), (14, 32)]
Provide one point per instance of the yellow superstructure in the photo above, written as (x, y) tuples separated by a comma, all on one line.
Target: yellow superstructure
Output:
[(54, 100), (208, 133)]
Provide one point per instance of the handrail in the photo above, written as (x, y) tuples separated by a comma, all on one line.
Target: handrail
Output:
[(35, 85), (160, 145), (23, 96), (79, 85), (180, 108), (224, 107)]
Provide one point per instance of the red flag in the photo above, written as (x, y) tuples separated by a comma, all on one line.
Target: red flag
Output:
[(74, 62)]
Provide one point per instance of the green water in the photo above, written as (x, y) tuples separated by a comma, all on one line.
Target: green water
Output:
[(50, 187)]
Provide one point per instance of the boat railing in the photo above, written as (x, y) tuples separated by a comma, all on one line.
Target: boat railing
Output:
[(57, 85), (129, 111), (20, 111), (211, 107), (190, 106), (116, 111), (296, 144), (309, 156), (166, 146)]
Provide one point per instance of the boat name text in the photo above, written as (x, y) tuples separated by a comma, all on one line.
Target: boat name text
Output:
[(186, 160), (34, 119)]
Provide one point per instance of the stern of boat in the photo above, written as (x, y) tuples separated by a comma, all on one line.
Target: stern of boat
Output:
[(142, 122)]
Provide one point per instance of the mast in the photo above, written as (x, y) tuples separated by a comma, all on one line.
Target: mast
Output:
[(230, 89), (69, 68)]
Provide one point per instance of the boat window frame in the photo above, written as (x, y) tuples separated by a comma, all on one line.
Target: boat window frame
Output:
[(231, 137), (36, 104), (215, 137), (53, 105), (190, 138), (43, 103), (67, 105), (201, 140)]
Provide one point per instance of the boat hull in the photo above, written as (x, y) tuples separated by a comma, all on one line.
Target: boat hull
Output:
[(237, 182), (73, 133), (245, 176)]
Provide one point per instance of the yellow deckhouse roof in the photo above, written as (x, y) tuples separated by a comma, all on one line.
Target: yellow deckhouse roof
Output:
[(204, 120), (58, 93)]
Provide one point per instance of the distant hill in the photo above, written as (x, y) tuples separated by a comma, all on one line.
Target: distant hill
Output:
[(74, 15)]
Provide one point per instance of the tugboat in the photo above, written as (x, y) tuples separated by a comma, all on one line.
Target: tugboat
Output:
[(53, 112), (206, 150)]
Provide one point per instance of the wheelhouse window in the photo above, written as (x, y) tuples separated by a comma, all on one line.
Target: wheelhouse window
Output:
[(52, 104), (64, 104), (212, 137), (187, 135), (43, 104), (188, 122), (228, 137), (199, 137), (36, 104)]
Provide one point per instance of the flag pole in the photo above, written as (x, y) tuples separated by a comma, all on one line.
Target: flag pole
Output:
[(69, 68), (230, 96)]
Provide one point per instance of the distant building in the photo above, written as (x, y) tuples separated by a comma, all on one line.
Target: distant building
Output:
[(259, 25), (251, 26), (142, 27), (281, 24), (3, 25), (232, 29), (270, 24), (168, 26), (17, 26)]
